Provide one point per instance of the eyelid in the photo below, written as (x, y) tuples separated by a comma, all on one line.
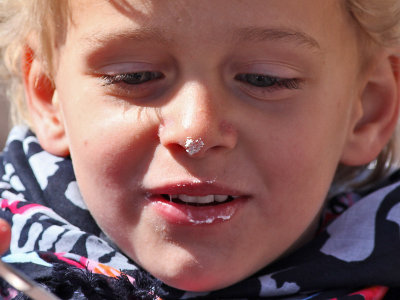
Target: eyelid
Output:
[(269, 68), (126, 67)]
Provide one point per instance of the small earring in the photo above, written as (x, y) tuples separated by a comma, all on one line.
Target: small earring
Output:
[(193, 146)]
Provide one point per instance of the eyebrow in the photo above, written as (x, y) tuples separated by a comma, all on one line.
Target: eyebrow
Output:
[(247, 34), (260, 34), (143, 34)]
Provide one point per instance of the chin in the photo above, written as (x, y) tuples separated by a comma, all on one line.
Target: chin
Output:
[(188, 273), (194, 282)]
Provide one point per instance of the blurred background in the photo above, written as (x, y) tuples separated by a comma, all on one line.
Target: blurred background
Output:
[(4, 118)]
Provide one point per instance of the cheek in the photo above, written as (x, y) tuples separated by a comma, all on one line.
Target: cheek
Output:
[(298, 140), (298, 153), (108, 143)]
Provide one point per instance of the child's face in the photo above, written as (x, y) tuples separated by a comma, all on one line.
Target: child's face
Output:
[(272, 143)]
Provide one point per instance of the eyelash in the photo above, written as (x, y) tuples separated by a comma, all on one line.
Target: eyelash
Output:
[(257, 80), (265, 81), (139, 84), (135, 78)]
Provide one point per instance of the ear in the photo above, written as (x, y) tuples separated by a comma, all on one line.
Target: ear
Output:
[(43, 106), (377, 112)]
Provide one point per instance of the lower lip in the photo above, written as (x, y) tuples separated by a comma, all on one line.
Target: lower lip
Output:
[(183, 214)]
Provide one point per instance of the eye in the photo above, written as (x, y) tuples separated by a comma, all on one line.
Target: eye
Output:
[(142, 85), (265, 81), (135, 78)]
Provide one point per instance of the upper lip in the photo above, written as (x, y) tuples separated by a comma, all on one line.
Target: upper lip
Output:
[(196, 189)]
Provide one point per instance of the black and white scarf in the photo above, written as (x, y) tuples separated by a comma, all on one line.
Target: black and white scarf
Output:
[(56, 242)]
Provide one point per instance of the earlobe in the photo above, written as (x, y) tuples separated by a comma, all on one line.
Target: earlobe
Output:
[(378, 110), (43, 105)]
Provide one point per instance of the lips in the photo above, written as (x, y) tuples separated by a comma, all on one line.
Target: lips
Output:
[(195, 203)]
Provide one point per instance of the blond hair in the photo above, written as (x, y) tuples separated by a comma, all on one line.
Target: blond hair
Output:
[(19, 20), (47, 19)]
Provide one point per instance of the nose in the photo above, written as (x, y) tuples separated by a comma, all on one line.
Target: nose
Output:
[(197, 122)]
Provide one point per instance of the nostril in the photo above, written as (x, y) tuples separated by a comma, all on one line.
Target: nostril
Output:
[(176, 148)]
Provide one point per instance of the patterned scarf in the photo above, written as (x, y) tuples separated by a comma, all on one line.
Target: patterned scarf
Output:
[(56, 242)]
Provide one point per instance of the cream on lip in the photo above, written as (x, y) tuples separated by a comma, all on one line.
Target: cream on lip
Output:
[(227, 215), (182, 214)]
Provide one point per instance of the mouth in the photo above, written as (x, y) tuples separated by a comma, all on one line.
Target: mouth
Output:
[(208, 200), (196, 203)]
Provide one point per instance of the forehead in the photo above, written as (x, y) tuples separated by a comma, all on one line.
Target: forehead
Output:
[(305, 21)]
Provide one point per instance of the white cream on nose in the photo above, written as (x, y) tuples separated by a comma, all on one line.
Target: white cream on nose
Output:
[(193, 146)]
